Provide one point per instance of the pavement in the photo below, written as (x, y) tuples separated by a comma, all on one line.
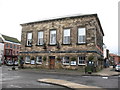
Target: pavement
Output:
[(65, 83), (105, 72)]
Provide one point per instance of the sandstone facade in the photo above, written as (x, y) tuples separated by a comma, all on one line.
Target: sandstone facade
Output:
[(92, 46)]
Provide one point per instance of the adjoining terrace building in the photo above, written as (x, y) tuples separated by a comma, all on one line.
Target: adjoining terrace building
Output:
[(11, 47), (62, 42)]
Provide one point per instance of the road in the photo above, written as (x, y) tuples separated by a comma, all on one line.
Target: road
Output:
[(27, 78)]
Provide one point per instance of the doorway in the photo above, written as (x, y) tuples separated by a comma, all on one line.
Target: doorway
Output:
[(52, 62)]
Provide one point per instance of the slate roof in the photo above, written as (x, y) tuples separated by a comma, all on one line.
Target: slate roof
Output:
[(11, 39)]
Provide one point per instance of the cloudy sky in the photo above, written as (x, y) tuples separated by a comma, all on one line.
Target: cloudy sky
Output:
[(15, 12)]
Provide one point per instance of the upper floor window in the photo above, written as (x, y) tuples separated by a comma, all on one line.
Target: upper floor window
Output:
[(14, 46), (17, 47), (53, 37), (10, 45), (81, 60), (66, 36), (29, 39), (7, 45), (81, 35), (40, 38)]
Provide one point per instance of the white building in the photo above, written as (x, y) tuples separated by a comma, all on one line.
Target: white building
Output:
[(1, 50), (106, 56)]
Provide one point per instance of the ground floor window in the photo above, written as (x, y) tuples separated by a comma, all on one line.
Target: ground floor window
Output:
[(81, 60), (73, 62), (39, 60), (66, 60), (27, 59)]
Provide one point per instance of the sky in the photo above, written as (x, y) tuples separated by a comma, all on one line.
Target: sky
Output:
[(15, 12)]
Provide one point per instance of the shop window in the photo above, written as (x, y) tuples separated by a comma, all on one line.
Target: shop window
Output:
[(27, 59), (66, 60), (39, 60), (81, 60)]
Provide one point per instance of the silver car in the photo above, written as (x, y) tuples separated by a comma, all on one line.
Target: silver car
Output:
[(117, 68)]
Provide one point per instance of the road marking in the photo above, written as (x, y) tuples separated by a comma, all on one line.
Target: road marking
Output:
[(15, 86), (105, 77)]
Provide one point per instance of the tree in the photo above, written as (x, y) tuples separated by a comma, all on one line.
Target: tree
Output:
[(44, 58), (73, 59), (91, 57), (32, 58)]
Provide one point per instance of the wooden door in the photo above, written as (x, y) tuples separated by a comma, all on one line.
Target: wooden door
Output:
[(52, 62)]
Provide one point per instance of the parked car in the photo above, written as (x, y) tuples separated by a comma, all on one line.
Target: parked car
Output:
[(117, 68), (9, 63), (0, 62), (16, 63)]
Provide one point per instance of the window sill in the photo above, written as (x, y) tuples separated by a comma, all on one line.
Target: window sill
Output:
[(27, 63), (81, 64), (32, 64), (39, 63), (81, 43), (39, 45), (28, 45), (73, 64), (66, 64), (66, 44), (52, 44)]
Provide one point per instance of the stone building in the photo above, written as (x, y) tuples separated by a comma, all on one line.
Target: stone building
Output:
[(66, 42), (116, 58)]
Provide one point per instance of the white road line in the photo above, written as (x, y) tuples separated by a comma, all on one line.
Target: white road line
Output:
[(105, 77), (15, 86)]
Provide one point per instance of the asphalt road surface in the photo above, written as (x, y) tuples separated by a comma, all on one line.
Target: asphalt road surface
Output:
[(27, 78)]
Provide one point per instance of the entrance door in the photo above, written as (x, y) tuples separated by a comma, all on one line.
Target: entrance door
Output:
[(52, 62)]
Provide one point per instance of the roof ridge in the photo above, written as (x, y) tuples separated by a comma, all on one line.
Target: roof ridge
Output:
[(8, 36), (11, 39), (59, 18)]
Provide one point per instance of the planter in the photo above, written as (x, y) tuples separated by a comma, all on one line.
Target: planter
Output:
[(89, 72), (88, 69)]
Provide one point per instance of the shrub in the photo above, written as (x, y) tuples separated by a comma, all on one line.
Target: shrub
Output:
[(44, 58), (32, 58), (59, 58), (73, 59), (91, 57), (21, 57)]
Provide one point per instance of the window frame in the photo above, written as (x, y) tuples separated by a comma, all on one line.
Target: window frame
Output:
[(82, 60), (26, 62), (27, 39), (38, 59), (69, 36), (38, 38), (7, 45), (50, 37), (17, 47), (11, 46), (14, 46), (75, 63), (81, 35), (64, 59)]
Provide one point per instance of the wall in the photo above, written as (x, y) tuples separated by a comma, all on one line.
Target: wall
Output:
[(1, 50), (94, 37)]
